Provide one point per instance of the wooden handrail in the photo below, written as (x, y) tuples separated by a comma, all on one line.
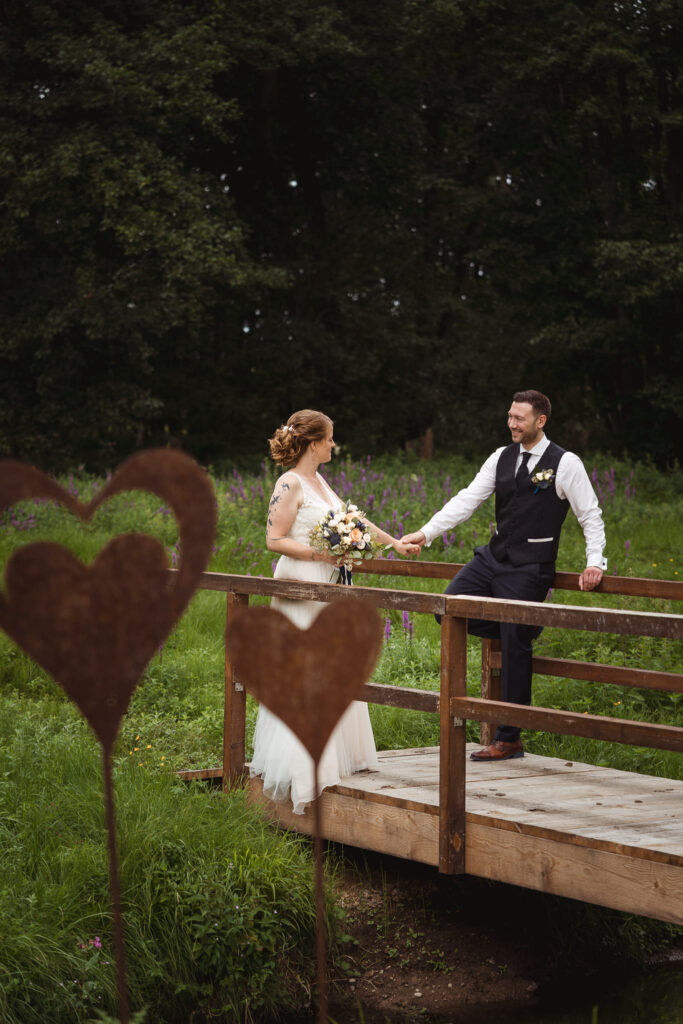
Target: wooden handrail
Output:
[(572, 723), (532, 613), (299, 590), (629, 586), (453, 704), (602, 620), (616, 675)]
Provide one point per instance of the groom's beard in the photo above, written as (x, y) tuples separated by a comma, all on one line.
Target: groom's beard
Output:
[(526, 437)]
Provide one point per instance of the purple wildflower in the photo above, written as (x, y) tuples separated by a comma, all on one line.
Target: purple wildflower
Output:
[(387, 629)]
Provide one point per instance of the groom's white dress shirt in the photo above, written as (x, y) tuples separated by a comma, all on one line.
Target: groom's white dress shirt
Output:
[(571, 482)]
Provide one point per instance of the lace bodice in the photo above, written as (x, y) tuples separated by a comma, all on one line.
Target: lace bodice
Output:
[(312, 510)]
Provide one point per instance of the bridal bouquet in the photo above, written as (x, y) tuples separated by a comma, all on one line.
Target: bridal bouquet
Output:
[(346, 535)]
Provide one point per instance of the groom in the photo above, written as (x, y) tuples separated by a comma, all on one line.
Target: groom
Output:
[(535, 482)]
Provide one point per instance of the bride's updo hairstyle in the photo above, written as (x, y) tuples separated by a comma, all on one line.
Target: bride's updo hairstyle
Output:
[(290, 441)]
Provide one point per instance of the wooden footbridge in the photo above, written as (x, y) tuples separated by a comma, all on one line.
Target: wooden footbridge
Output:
[(608, 837)]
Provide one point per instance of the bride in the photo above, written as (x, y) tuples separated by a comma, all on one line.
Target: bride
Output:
[(300, 500)]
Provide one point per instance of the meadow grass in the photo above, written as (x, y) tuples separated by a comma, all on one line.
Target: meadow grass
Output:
[(218, 906)]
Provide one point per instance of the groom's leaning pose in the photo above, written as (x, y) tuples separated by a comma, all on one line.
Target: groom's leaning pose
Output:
[(535, 481)]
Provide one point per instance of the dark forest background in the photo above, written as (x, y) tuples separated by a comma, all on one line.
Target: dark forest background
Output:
[(214, 213)]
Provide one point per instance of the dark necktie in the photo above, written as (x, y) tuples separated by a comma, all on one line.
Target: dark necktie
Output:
[(523, 470)]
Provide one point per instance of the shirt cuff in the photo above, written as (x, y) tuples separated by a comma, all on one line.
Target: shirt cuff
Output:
[(428, 539), (596, 559)]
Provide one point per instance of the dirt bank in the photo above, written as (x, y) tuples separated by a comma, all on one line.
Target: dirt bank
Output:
[(419, 945)]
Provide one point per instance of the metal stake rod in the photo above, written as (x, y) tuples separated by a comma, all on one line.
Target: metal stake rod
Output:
[(115, 888)]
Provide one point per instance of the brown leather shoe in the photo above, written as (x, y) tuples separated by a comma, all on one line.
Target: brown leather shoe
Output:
[(499, 750)]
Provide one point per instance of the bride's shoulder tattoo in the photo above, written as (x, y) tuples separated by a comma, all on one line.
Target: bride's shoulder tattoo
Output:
[(280, 488)]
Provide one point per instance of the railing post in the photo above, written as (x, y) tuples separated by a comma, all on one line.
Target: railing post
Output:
[(452, 750), (490, 686), (235, 708)]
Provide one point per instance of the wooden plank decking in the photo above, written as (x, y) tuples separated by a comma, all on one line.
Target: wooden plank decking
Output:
[(596, 834)]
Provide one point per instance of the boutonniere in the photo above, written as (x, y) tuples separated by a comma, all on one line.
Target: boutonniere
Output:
[(542, 478)]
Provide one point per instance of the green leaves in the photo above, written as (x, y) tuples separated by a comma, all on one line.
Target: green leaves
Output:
[(213, 214)]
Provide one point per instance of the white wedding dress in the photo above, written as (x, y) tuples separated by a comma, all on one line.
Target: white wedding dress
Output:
[(284, 763)]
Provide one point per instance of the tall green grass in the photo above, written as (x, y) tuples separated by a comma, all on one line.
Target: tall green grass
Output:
[(218, 907)]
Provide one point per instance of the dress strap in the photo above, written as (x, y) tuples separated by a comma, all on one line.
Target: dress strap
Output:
[(325, 484), (307, 487), (301, 480)]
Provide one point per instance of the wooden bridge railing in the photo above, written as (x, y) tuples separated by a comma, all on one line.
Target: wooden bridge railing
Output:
[(452, 702), (591, 671)]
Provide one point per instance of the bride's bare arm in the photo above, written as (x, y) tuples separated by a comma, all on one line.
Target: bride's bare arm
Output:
[(285, 502), (399, 546)]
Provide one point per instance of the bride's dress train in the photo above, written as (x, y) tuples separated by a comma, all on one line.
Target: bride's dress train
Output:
[(286, 766)]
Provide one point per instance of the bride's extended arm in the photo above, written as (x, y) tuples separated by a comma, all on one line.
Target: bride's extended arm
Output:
[(284, 505), (399, 546)]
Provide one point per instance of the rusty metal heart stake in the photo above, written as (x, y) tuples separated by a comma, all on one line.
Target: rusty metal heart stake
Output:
[(308, 678), (94, 628)]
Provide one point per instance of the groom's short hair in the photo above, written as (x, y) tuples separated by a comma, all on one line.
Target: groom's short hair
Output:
[(539, 402)]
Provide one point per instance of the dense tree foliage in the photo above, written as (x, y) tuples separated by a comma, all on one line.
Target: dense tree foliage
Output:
[(400, 212)]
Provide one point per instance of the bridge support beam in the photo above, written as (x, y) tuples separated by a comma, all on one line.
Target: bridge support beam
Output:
[(452, 747)]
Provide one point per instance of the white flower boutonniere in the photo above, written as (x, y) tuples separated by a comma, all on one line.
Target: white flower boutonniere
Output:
[(542, 478)]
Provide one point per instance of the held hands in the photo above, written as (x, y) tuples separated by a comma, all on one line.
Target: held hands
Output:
[(590, 577), (404, 548), (414, 541)]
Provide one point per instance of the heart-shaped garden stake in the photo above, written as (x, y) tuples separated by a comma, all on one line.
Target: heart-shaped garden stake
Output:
[(308, 678), (94, 628)]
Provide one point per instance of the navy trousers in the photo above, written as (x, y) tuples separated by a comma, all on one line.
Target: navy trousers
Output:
[(484, 576)]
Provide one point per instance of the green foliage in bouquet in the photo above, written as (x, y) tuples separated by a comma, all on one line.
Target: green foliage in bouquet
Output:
[(346, 533)]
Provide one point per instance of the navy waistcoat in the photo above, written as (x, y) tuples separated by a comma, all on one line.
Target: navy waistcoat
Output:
[(528, 518)]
